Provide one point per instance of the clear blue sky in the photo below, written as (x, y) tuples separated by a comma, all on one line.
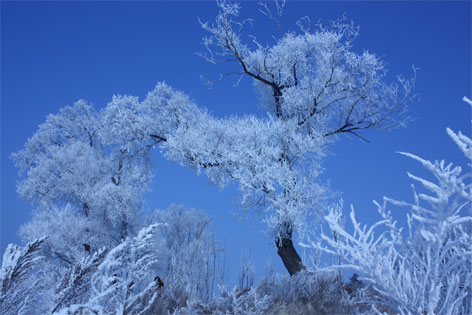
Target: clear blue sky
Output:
[(53, 53)]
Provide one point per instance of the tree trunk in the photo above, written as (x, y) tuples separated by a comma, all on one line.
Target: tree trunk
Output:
[(289, 255)]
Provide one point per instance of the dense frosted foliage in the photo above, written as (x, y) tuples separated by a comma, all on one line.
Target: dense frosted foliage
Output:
[(429, 270), (248, 151), (68, 230), (72, 175)]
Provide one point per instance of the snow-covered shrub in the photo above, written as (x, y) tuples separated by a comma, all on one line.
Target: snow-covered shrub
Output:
[(306, 292), (20, 280), (158, 271), (125, 275), (430, 270), (78, 309), (75, 285)]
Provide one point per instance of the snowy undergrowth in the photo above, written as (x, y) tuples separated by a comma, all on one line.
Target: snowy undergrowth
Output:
[(429, 271)]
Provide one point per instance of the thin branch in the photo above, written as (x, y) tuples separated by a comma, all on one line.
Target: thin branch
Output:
[(277, 19)]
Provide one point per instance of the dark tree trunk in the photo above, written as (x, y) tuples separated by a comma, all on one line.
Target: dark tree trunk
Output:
[(289, 255)]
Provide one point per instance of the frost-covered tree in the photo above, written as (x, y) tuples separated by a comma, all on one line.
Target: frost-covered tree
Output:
[(314, 86), (87, 188), (427, 270)]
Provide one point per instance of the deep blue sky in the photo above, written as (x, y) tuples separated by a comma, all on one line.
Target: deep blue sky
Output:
[(53, 53)]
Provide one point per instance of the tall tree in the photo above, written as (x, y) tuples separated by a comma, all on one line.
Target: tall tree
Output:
[(87, 188), (314, 86)]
